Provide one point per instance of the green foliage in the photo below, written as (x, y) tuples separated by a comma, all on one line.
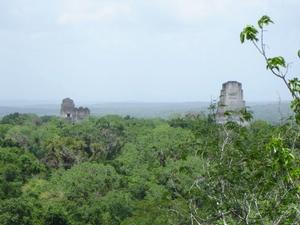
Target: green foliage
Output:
[(84, 181), (276, 63), (85, 194), (20, 119), (114, 170), (16, 167), (18, 211), (294, 85), (280, 171), (249, 33), (56, 215), (264, 21), (283, 160), (246, 115)]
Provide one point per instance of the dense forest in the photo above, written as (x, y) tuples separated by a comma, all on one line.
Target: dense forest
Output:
[(123, 170)]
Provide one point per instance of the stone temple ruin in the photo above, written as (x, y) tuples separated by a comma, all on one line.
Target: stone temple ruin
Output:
[(231, 103), (70, 112)]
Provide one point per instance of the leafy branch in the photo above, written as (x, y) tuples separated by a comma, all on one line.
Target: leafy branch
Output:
[(277, 65)]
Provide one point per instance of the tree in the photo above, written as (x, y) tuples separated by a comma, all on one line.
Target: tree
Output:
[(18, 211), (277, 65), (16, 167), (281, 170)]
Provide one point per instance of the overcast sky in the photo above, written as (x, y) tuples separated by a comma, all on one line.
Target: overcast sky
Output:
[(140, 50)]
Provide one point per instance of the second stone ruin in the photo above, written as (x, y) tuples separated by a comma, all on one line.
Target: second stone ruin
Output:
[(231, 103)]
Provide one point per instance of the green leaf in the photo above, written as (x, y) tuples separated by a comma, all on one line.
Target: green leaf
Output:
[(295, 85), (246, 115), (299, 53), (249, 33), (228, 113), (242, 37), (276, 63), (264, 21)]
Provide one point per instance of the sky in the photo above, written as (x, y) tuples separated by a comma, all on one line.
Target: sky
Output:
[(141, 50)]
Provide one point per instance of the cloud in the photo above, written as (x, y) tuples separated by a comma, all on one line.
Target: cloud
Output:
[(186, 11), (81, 11), (159, 12), (189, 11)]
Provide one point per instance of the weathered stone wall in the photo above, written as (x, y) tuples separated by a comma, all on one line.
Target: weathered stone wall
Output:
[(67, 109), (82, 113), (70, 112), (231, 100)]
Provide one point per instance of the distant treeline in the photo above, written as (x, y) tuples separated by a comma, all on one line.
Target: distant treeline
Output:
[(273, 112)]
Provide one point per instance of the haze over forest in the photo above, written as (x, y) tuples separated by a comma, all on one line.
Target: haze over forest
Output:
[(273, 112)]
